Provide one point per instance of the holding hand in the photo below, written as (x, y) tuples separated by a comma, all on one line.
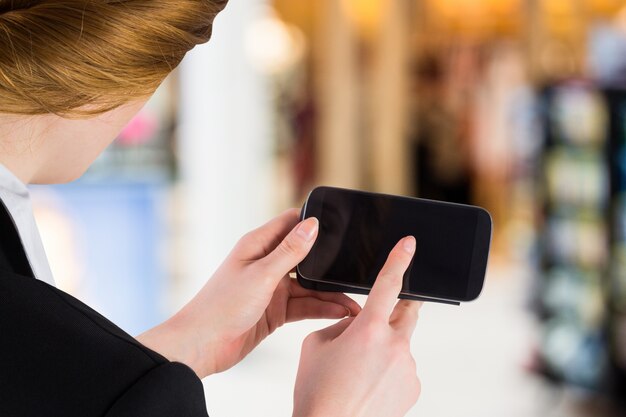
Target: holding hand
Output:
[(248, 297), (362, 366)]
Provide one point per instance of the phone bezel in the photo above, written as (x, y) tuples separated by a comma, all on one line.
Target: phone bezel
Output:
[(478, 263)]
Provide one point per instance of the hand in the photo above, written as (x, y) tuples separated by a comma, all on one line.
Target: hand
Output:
[(248, 297), (362, 366)]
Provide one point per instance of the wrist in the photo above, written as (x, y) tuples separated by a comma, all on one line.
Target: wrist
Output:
[(179, 341)]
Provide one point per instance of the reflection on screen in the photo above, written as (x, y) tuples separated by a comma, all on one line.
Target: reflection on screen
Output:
[(358, 231)]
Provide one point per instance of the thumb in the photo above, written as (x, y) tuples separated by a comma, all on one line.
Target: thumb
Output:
[(290, 251)]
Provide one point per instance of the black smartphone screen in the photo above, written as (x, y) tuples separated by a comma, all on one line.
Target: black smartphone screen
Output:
[(358, 229)]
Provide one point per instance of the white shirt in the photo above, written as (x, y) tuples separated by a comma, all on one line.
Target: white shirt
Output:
[(16, 198)]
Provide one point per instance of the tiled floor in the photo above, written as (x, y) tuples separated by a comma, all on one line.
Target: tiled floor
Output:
[(470, 361)]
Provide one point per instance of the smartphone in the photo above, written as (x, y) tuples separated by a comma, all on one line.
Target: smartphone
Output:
[(358, 230)]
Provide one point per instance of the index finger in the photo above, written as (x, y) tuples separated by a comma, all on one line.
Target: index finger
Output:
[(388, 285)]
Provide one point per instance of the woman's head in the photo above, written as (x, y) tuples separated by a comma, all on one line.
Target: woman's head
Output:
[(82, 58)]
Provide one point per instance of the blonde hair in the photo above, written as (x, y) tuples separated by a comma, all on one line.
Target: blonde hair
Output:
[(84, 57)]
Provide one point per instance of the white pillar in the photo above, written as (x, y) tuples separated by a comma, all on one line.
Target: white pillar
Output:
[(224, 146)]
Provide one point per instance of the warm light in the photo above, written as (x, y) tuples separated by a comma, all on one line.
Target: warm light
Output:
[(562, 8), (604, 8), (477, 17), (562, 18), (365, 14)]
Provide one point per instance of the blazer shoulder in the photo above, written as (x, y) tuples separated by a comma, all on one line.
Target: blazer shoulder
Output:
[(61, 358)]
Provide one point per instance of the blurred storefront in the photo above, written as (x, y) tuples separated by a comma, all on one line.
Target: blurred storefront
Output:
[(515, 105), (518, 106)]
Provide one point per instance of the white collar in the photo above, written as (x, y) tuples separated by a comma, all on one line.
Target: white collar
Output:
[(16, 198)]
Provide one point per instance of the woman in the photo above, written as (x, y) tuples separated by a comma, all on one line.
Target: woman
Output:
[(72, 74)]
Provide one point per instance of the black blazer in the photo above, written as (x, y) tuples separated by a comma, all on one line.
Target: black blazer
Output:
[(58, 357)]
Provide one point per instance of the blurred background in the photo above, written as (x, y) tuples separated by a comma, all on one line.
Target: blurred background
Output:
[(515, 105)]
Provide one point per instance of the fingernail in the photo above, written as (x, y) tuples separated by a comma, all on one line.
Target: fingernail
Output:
[(348, 312), (409, 244), (307, 229)]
